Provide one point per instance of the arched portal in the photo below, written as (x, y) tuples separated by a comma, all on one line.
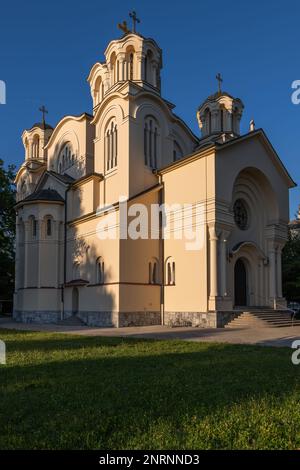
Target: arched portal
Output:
[(240, 284), (75, 301)]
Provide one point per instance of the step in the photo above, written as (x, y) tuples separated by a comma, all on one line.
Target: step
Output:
[(261, 318)]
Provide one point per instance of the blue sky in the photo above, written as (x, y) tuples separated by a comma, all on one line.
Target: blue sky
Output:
[(47, 50)]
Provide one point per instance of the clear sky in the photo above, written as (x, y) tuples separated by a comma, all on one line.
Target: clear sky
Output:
[(48, 48)]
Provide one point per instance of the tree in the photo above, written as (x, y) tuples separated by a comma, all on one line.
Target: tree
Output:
[(291, 267), (7, 231)]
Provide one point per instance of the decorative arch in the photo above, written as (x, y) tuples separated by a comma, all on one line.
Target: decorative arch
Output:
[(253, 186)]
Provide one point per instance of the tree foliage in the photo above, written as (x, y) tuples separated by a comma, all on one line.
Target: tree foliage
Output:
[(7, 230), (291, 268)]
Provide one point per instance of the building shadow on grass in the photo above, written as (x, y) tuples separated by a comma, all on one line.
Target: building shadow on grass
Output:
[(141, 396)]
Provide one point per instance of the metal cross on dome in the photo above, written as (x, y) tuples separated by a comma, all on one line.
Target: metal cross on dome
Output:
[(135, 20), (220, 80), (44, 111)]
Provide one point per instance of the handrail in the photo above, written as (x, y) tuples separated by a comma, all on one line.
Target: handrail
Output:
[(284, 307)]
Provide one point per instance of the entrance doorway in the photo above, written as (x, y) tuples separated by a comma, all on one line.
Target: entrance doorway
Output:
[(75, 301), (240, 284)]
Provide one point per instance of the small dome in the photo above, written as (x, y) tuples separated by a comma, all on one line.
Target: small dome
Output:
[(219, 114), (41, 125)]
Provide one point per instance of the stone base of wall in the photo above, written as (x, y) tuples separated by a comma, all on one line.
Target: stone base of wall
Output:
[(216, 319), (139, 318), (199, 319), (99, 319), (36, 317)]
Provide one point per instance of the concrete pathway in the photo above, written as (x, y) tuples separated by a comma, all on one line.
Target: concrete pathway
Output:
[(280, 337)]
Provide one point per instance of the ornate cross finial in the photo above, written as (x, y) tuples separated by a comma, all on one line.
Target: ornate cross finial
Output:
[(123, 27), (43, 111), (220, 80), (135, 20)]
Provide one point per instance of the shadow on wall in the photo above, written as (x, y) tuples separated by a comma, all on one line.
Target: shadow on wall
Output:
[(91, 294)]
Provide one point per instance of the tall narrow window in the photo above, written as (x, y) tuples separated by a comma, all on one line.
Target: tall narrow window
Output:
[(99, 271), (146, 69), (170, 272), (153, 272), (222, 120), (111, 146), (131, 67), (34, 227), (49, 227), (151, 142)]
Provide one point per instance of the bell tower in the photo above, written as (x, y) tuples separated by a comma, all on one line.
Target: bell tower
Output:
[(132, 58)]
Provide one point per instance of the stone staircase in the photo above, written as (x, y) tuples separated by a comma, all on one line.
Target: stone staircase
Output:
[(71, 321), (262, 318)]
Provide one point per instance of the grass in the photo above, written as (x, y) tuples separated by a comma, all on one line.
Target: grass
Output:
[(70, 392)]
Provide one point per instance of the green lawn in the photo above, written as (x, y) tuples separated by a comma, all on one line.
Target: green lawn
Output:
[(70, 392)]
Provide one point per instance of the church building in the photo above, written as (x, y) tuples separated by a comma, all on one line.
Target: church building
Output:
[(134, 148)]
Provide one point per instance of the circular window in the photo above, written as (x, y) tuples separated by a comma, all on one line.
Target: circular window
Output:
[(240, 214)]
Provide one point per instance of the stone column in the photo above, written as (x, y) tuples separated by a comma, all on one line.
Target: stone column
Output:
[(17, 258), (140, 72), (272, 273), (223, 260), (40, 235), (213, 246), (27, 229), (279, 271)]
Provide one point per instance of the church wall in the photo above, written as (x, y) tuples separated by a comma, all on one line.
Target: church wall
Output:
[(265, 192), (189, 184)]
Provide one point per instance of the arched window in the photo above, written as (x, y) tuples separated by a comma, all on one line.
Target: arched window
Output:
[(111, 145), (99, 271), (177, 151), (151, 141), (48, 226), (207, 119), (113, 71), (153, 272), (23, 189), (131, 66), (66, 158), (36, 147), (148, 72), (170, 272), (222, 115), (33, 226), (26, 148), (98, 91)]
